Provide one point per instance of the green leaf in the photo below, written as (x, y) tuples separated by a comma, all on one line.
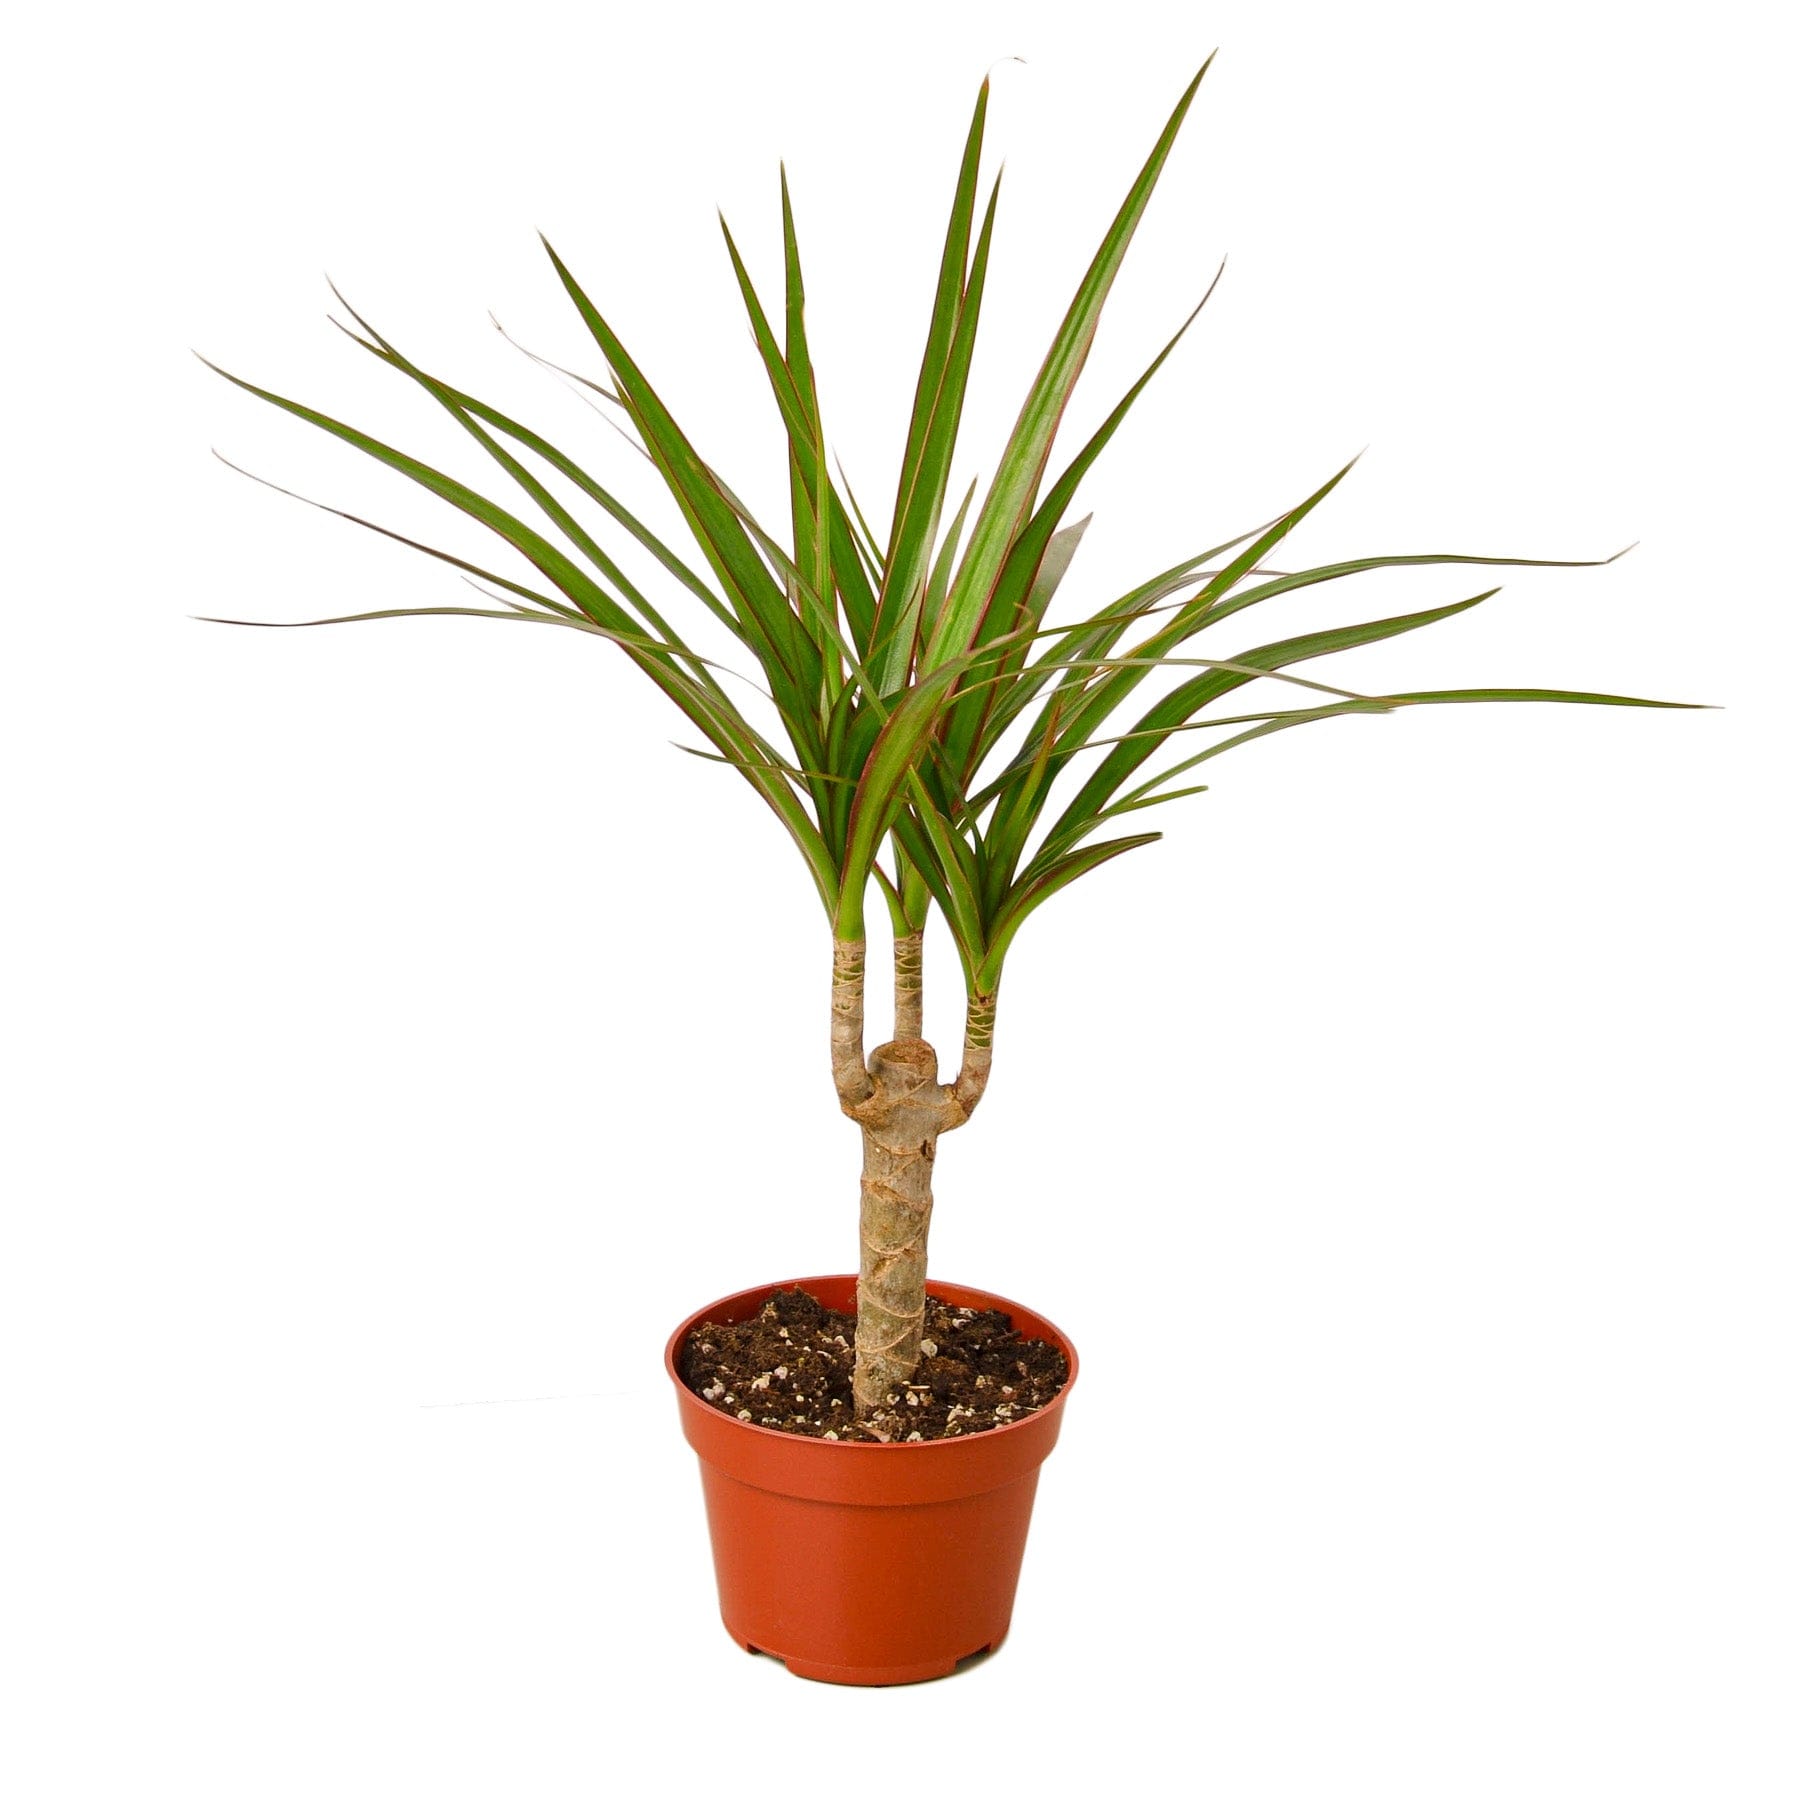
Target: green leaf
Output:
[(1014, 491), (787, 655), (868, 551), (813, 607), (944, 863), (1125, 806), (946, 307), (1224, 606), (1267, 727), (466, 414), (583, 589), (967, 735), (800, 777), (900, 617), (1564, 696), (1100, 695), (1006, 847), (1097, 635), (797, 400), (890, 892), (882, 786), (1144, 795), (1035, 566), (1182, 702), (939, 583), (518, 614), (915, 896), (1031, 894), (706, 708), (444, 556)]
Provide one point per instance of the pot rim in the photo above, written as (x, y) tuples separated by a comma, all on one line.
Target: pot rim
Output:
[(938, 1290)]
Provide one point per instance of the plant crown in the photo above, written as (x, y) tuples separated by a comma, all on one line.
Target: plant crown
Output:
[(897, 662)]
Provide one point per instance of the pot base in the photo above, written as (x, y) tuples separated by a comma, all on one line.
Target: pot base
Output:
[(848, 1675)]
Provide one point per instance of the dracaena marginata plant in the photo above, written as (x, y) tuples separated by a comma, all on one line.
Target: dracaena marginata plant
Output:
[(939, 740)]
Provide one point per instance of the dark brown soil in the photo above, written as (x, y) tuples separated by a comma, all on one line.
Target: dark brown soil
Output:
[(789, 1369)]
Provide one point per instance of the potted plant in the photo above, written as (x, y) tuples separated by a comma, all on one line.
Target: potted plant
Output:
[(936, 734)]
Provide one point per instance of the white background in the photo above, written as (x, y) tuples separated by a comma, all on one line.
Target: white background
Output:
[(402, 1037)]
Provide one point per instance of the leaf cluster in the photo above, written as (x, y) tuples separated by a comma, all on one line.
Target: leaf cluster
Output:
[(932, 723)]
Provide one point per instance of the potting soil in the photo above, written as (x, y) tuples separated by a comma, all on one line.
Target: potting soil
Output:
[(789, 1369)]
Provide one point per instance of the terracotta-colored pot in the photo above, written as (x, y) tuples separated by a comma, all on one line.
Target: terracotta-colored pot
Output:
[(869, 1564)]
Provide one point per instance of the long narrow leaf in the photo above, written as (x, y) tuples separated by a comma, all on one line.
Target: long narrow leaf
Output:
[(787, 655), (881, 787), (1032, 572), (1097, 635), (944, 865), (1031, 894), (1182, 702), (968, 735), (443, 556), (1227, 604), (946, 305), (1013, 494), (901, 621), (797, 400), (704, 706), (546, 502), (864, 537)]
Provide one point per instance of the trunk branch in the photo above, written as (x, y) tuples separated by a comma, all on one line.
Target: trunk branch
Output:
[(847, 1072), (909, 985), (964, 1094)]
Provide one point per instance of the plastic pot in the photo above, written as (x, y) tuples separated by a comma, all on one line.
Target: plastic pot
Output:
[(869, 1564)]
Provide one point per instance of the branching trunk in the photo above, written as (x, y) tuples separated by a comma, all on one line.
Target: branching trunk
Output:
[(903, 1109)]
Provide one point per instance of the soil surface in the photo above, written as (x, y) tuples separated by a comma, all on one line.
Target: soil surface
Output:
[(789, 1368)]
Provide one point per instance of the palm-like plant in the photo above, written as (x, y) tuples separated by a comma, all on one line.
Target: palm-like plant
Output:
[(930, 713)]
